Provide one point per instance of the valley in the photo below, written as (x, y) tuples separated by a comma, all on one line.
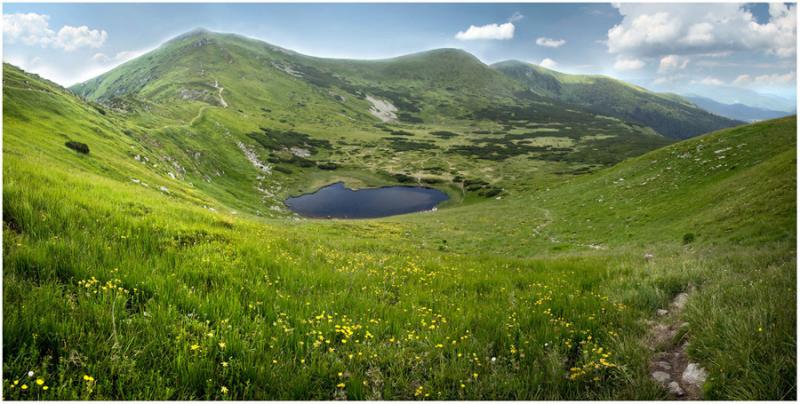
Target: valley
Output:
[(162, 263)]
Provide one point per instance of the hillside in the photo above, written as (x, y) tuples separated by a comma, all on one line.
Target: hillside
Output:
[(736, 111), (669, 115), (149, 268)]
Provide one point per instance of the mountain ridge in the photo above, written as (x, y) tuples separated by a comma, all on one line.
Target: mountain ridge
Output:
[(451, 82)]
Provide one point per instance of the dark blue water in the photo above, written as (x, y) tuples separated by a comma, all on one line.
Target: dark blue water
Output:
[(338, 201)]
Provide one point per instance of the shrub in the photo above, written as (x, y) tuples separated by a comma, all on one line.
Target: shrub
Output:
[(688, 238), (78, 147), (327, 166)]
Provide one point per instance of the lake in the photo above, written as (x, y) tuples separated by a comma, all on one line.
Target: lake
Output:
[(338, 201)]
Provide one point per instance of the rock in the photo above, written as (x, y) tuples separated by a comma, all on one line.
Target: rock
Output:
[(680, 301), (664, 365), (661, 377), (648, 257), (662, 312), (675, 388), (694, 374)]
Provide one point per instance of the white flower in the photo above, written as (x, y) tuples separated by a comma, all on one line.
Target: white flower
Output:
[(30, 373), (494, 359)]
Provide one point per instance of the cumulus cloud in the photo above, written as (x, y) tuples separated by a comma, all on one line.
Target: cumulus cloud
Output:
[(34, 29), (683, 29), (549, 42), (489, 31), (548, 63), (671, 63), (628, 64)]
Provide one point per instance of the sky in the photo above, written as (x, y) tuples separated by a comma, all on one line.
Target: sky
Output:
[(721, 50)]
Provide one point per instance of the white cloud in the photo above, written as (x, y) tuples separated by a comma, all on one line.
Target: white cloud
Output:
[(549, 42), (516, 17), (71, 38), (490, 31), (672, 62), (628, 64), (29, 29), (683, 29), (119, 58), (34, 29), (765, 80), (709, 81), (548, 63)]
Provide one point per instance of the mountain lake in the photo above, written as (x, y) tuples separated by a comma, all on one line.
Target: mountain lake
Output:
[(338, 201)]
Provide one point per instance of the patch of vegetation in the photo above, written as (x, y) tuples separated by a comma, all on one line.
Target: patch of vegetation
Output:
[(273, 139), (443, 134), (78, 146)]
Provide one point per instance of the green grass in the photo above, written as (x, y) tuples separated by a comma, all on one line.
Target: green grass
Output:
[(156, 296)]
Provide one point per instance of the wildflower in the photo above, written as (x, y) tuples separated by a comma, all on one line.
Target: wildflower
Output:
[(24, 387), (223, 390), (463, 385), (45, 388), (40, 381), (221, 345), (439, 346), (195, 347), (224, 364), (340, 385), (494, 359), (30, 373), (16, 382)]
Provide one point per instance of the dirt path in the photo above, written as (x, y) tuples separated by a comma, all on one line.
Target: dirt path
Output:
[(670, 366), (221, 89)]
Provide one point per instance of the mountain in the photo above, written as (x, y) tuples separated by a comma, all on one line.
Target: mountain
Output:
[(442, 86), (668, 114), (738, 95), (736, 111)]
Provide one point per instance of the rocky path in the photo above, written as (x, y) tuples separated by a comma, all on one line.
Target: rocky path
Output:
[(670, 366), (221, 89)]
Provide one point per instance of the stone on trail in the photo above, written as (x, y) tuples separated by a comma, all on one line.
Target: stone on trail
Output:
[(694, 374), (680, 300), (662, 312), (661, 377), (675, 388)]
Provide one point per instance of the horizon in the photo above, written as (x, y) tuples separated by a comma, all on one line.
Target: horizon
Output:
[(37, 39)]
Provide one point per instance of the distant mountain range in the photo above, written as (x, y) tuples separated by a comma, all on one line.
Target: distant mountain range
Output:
[(737, 111)]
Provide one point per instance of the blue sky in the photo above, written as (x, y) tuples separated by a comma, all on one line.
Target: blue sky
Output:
[(698, 48)]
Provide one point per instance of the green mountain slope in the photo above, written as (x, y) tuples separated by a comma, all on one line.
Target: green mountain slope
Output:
[(438, 117), (669, 115), (122, 289)]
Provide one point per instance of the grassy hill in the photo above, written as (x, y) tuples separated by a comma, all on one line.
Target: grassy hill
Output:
[(668, 114), (150, 267)]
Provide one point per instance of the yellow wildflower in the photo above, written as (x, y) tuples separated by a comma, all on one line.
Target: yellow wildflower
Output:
[(39, 381)]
